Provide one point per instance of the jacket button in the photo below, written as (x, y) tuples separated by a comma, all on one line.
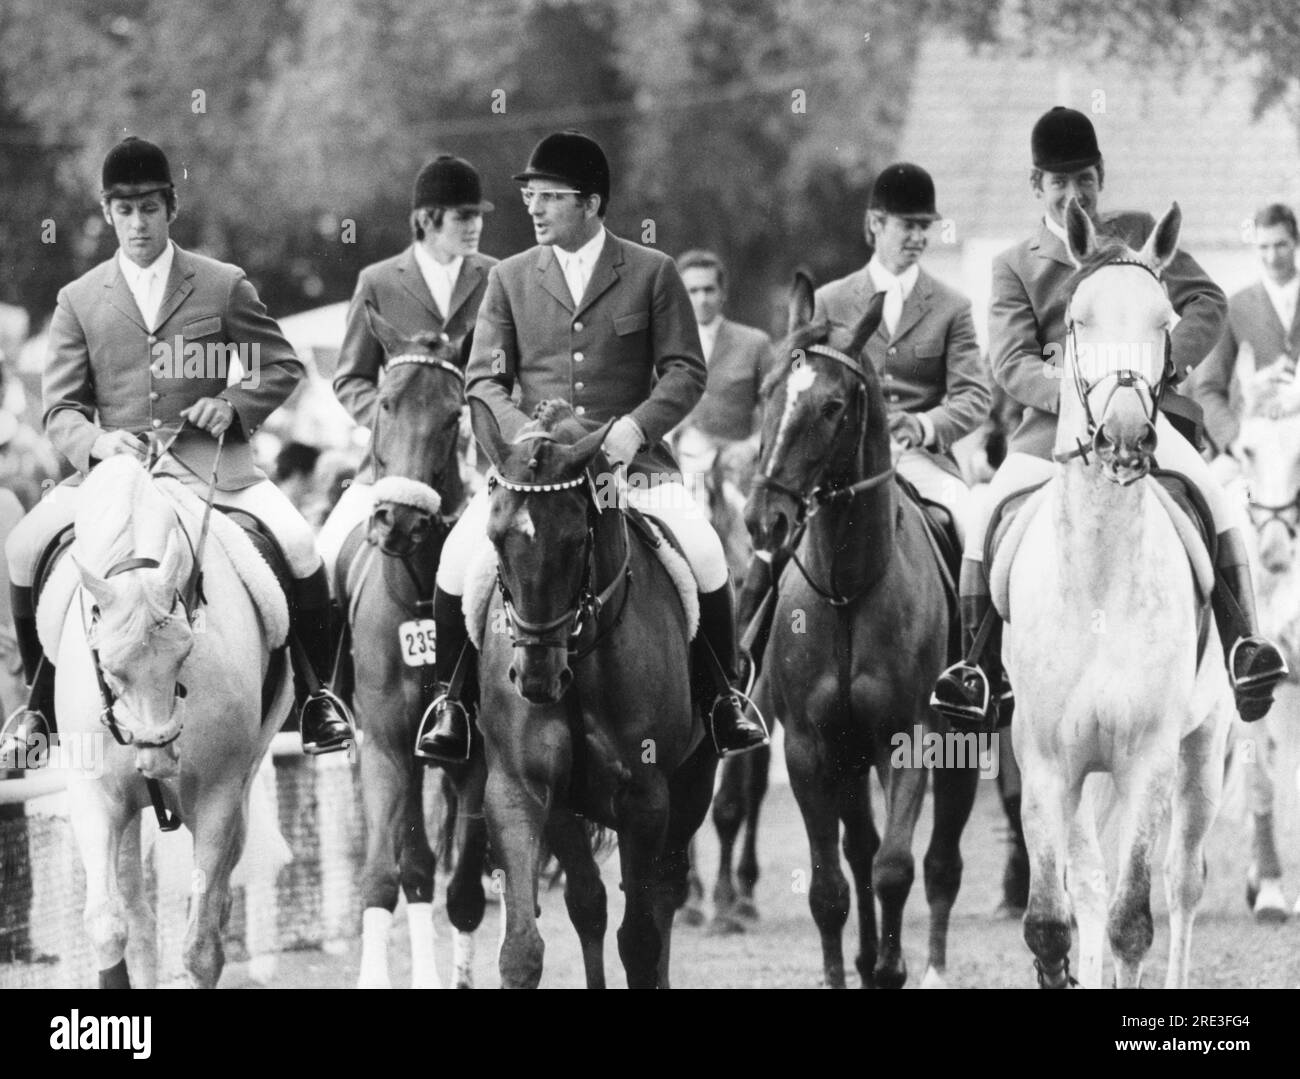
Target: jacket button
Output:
[(152, 339), (157, 423), (894, 397), (577, 357), (580, 411), (154, 395), (893, 352), (577, 385), (577, 326)]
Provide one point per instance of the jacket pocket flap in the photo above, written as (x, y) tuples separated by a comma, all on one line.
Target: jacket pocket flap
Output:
[(626, 324), (929, 346), (202, 327)]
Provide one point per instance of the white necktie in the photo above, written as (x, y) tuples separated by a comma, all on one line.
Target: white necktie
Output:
[(893, 305), (573, 275)]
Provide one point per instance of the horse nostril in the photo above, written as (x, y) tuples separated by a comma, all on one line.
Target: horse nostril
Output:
[(566, 679), (514, 675), (383, 516)]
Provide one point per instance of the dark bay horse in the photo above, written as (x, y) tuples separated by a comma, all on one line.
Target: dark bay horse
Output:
[(860, 631), (388, 591), (586, 713)]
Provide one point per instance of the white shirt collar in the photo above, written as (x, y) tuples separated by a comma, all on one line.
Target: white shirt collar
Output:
[(1056, 230), (429, 264), (1284, 298), (586, 255), (135, 275), (709, 335), (883, 279)]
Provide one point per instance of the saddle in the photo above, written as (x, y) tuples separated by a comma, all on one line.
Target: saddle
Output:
[(1187, 509)]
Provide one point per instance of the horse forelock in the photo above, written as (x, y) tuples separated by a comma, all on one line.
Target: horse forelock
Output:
[(798, 340)]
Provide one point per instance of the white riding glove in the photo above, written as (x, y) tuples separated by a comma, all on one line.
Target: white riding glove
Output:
[(624, 441)]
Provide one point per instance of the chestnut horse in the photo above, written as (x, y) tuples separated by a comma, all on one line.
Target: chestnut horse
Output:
[(860, 631), (388, 594)]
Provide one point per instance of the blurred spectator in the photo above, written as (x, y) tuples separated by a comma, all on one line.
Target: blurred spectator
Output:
[(28, 463), (295, 473), (335, 471)]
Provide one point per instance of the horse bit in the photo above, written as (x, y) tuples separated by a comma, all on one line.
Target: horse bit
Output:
[(586, 605)]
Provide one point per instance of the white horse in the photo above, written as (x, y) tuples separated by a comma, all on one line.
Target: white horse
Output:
[(188, 699), (1268, 452), (1101, 645)]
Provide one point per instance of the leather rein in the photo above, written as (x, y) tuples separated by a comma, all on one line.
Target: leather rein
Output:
[(818, 497), (586, 606)]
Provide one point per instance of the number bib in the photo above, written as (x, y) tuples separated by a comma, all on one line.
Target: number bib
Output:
[(417, 641)]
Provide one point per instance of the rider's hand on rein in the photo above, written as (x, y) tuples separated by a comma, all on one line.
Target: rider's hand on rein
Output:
[(211, 414)]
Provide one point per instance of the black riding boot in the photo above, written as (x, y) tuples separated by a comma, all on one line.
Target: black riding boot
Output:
[(25, 737), (445, 728), (736, 725), (1255, 665), (324, 721), (965, 691)]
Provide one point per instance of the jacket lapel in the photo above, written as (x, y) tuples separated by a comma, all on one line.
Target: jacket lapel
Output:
[(552, 277), (720, 342), (119, 293), (179, 285), (915, 307), (604, 274), (408, 272), (466, 281), (1049, 246)]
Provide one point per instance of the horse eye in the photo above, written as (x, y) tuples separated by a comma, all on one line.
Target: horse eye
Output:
[(385, 405), (832, 408)]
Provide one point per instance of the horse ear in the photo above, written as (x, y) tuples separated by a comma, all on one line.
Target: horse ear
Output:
[(1081, 237), (1162, 244), (384, 331), (579, 455), (867, 324), (800, 310), (97, 586), (488, 432)]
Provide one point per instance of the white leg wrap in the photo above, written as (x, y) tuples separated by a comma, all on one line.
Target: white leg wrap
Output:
[(374, 949), (463, 956), (424, 964)]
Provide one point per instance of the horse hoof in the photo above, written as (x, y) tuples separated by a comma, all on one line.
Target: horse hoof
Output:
[(1008, 912), (933, 980), (745, 909), (891, 979), (1270, 904), (725, 925), (691, 916), (262, 968)]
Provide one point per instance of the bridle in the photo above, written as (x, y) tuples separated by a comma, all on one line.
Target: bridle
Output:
[(818, 496), (1287, 515), (422, 605), (1125, 379), (586, 605)]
